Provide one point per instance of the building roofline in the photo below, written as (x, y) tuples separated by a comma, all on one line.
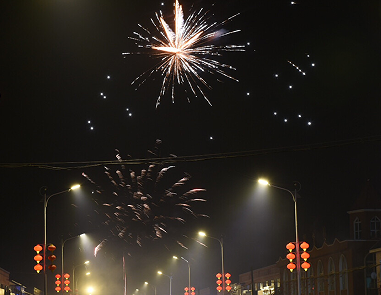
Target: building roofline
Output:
[(364, 210)]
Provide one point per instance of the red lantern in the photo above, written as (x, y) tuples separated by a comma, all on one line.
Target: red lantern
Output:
[(58, 282), (52, 257), (228, 288), (67, 288), (228, 282), (290, 256), (67, 282), (219, 288), (51, 248), (290, 246), (186, 289), (57, 276), (304, 246), (57, 289), (291, 266), (38, 268), (305, 255), (52, 267), (228, 275), (66, 276), (37, 248), (306, 265), (219, 282), (193, 288), (38, 258), (218, 275)]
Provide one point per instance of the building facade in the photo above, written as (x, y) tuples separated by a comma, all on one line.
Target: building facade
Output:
[(347, 267)]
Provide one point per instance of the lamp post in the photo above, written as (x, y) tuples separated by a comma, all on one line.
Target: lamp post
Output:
[(85, 263), (170, 281), (153, 287), (46, 200), (265, 182), (189, 272), (62, 253), (221, 241)]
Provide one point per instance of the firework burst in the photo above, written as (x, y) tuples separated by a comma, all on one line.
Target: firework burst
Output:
[(146, 205), (185, 52)]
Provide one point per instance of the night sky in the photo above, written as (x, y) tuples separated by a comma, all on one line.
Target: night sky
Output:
[(67, 102)]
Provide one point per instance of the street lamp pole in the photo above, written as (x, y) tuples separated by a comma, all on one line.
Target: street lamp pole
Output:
[(221, 241), (170, 281), (46, 200), (189, 272), (62, 254), (74, 267), (298, 273)]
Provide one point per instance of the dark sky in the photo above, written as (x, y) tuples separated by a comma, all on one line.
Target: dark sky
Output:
[(55, 57)]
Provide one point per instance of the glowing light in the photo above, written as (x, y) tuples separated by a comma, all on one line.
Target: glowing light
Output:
[(104, 96), (101, 93), (127, 109), (76, 186), (296, 67), (91, 128), (130, 114), (108, 77), (285, 120), (276, 75), (211, 137), (263, 181), (309, 123), (290, 86), (88, 122), (299, 116), (313, 64), (183, 51), (275, 113), (248, 93)]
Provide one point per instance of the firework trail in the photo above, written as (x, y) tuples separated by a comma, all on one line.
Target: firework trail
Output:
[(146, 206), (185, 51)]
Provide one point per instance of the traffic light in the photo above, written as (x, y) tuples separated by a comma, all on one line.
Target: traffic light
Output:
[(52, 257), (38, 258)]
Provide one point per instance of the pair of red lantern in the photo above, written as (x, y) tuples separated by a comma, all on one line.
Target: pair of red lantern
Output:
[(193, 289), (291, 256), (66, 282), (38, 258), (227, 282)]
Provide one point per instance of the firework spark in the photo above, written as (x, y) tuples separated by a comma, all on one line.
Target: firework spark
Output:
[(146, 205), (184, 51)]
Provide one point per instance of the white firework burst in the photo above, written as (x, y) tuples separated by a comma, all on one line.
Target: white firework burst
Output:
[(185, 52)]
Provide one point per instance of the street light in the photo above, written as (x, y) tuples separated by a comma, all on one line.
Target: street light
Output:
[(221, 241), (265, 182), (62, 253), (170, 281), (189, 271), (85, 263), (46, 200), (153, 287)]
